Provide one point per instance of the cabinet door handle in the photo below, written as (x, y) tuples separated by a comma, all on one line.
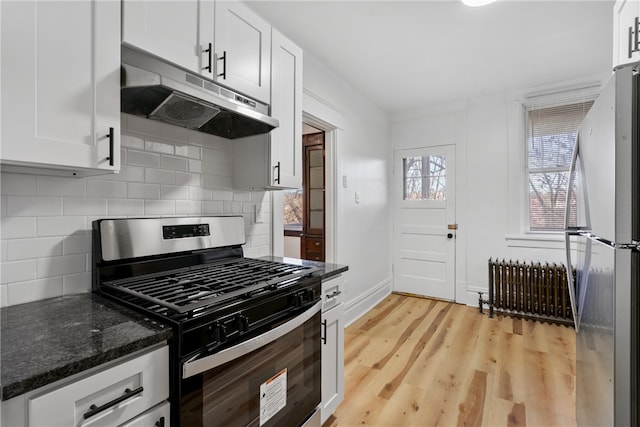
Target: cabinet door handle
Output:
[(128, 394), (276, 180), (324, 328), (160, 422), (210, 52), (223, 58), (110, 136)]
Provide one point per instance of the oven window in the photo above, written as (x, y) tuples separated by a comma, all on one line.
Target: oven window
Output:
[(230, 394)]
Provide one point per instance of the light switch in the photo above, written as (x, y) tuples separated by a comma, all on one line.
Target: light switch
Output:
[(344, 181), (259, 216), (357, 197)]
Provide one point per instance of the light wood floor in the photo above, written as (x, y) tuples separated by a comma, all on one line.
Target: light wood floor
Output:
[(421, 362)]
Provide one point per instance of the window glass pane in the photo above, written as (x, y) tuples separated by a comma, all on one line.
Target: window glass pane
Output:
[(547, 198), (292, 205), (424, 178)]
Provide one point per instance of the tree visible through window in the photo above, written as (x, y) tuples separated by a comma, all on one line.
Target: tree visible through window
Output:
[(424, 178), (293, 210), (551, 136)]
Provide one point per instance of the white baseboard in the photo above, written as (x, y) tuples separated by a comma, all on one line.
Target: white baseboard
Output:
[(357, 307)]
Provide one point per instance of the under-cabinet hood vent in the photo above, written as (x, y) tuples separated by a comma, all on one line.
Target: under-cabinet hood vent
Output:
[(156, 89)]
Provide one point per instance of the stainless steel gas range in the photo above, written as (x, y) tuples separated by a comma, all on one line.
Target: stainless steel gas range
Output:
[(246, 347)]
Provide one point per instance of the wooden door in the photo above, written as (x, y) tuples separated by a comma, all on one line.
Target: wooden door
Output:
[(312, 241), (424, 260)]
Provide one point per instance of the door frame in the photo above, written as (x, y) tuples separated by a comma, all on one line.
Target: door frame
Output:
[(322, 115), (396, 191)]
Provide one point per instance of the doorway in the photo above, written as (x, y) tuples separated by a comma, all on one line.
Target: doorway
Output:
[(304, 210), (425, 229)]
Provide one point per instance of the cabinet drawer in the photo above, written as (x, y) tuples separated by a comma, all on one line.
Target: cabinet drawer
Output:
[(332, 292), (156, 417), (107, 398), (314, 245)]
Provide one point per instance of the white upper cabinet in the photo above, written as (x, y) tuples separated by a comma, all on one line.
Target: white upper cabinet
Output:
[(242, 50), (626, 32), (286, 106), (223, 40), (61, 85), (274, 161)]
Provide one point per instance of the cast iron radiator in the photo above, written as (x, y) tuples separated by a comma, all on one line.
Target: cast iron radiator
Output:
[(533, 290)]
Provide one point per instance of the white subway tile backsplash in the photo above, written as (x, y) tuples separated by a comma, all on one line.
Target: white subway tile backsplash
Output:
[(33, 206), (159, 176), (16, 227), (129, 174), (113, 189), (61, 265), (18, 271), (76, 283), (159, 147), (188, 207), (143, 158), (18, 184), (77, 244), (195, 166), (57, 186), (34, 290), (116, 207), (85, 206), (173, 163), (130, 141), (45, 222), (212, 208), (61, 225), (175, 192), (33, 248), (143, 126), (159, 207), (143, 191), (191, 151)]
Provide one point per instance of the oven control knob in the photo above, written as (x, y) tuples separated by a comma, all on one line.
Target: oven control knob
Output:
[(310, 295), (218, 332), (222, 333), (298, 300), (242, 323)]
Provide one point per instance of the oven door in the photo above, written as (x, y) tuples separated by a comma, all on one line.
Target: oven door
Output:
[(272, 379)]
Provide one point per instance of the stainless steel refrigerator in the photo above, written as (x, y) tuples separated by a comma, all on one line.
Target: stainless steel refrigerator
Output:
[(603, 249)]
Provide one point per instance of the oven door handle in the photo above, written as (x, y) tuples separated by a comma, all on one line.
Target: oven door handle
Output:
[(197, 364)]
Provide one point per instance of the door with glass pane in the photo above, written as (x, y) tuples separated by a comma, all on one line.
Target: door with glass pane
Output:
[(425, 228), (312, 241)]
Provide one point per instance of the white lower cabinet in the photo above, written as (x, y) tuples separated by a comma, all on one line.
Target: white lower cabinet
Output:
[(132, 392), (332, 347)]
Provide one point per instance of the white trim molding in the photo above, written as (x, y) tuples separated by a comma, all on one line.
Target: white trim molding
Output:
[(357, 307)]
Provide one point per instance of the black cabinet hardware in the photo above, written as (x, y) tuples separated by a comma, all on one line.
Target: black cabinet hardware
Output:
[(111, 141), (128, 393), (223, 58), (210, 52)]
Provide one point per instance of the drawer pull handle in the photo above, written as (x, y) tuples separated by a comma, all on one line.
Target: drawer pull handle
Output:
[(324, 327), (317, 243), (128, 394), (333, 295), (160, 422)]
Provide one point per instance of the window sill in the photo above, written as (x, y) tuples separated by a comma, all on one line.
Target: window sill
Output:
[(536, 240)]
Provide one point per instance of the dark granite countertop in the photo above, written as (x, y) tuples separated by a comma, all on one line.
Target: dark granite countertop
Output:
[(48, 340), (326, 270)]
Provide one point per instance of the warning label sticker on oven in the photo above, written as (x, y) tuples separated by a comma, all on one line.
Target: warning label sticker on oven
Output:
[(273, 396)]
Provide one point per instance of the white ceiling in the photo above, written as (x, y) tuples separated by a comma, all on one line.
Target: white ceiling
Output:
[(411, 54)]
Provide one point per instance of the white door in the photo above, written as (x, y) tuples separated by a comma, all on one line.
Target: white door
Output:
[(424, 192)]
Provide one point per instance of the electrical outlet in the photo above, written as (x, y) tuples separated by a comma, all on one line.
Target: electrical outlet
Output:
[(258, 214)]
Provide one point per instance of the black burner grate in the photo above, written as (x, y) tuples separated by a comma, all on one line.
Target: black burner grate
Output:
[(186, 289)]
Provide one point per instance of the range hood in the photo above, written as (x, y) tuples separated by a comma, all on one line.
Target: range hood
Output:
[(160, 90)]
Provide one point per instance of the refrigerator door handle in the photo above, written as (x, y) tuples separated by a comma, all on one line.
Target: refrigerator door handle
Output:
[(572, 178), (570, 280)]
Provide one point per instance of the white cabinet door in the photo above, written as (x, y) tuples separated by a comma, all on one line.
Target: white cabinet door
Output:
[(171, 30), (286, 106), (242, 50), (626, 32), (332, 361), (61, 84)]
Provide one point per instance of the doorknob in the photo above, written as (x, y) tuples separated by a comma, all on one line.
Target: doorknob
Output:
[(449, 235)]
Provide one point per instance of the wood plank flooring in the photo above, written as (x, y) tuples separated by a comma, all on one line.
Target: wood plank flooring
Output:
[(421, 362)]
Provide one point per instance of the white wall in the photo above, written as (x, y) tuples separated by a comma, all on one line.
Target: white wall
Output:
[(362, 154), (166, 171), (490, 180)]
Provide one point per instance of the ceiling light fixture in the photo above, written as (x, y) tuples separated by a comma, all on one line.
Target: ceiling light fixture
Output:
[(476, 3)]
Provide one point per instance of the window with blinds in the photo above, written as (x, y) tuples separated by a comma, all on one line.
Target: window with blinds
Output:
[(550, 138)]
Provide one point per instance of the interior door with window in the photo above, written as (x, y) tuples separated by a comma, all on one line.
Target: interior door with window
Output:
[(425, 229)]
